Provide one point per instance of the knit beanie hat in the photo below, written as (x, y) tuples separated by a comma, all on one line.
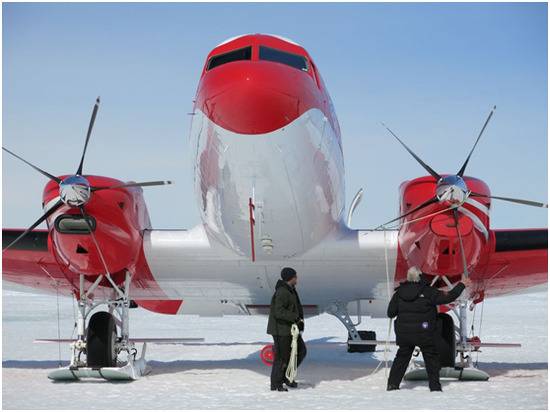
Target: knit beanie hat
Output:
[(287, 274)]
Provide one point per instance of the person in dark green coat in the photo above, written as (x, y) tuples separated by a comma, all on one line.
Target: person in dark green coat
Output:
[(285, 311)]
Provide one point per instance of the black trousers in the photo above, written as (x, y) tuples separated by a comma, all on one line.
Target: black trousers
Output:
[(403, 357), (281, 350)]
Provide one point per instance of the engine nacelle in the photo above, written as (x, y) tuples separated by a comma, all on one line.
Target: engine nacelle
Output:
[(117, 217), (428, 238)]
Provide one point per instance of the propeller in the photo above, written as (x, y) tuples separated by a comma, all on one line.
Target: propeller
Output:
[(75, 190), (90, 128), (513, 200), (453, 188), (463, 168), (35, 224), (418, 159), (48, 175), (462, 253), (416, 209), (142, 184), (91, 230)]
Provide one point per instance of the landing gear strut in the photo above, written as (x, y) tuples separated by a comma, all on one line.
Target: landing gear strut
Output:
[(355, 337), (98, 351)]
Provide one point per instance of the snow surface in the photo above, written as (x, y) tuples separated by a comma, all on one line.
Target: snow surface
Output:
[(226, 373)]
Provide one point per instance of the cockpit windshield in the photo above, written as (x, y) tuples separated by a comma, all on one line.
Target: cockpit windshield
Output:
[(279, 56), (232, 56)]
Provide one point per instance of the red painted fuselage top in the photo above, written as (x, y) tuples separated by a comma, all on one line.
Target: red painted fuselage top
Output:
[(256, 84)]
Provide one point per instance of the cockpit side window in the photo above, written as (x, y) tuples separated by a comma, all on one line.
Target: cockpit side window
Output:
[(279, 56), (232, 56)]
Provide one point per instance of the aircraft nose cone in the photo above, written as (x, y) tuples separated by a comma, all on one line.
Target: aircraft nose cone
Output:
[(255, 97)]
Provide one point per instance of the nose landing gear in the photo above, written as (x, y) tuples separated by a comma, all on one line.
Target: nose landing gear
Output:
[(356, 338)]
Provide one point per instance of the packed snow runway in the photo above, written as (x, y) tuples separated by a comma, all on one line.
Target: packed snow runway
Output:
[(226, 372)]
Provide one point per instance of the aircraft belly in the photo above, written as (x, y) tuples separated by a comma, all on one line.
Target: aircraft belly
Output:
[(350, 267), (294, 177)]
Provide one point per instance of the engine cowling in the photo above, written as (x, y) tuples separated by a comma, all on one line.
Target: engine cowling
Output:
[(429, 239), (117, 216)]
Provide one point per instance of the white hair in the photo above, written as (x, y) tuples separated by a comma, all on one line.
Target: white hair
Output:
[(413, 274)]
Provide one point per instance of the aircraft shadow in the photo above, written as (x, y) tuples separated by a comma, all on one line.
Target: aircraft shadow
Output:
[(502, 368), (33, 364), (325, 361), (494, 369)]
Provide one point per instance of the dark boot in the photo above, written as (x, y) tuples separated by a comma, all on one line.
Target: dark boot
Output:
[(279, 388), (291, 384), (392, 387)]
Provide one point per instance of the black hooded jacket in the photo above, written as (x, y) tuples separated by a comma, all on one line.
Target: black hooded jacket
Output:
[(285, 310), (415, 305)]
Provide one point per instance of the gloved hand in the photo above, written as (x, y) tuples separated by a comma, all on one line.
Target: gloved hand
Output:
[(300, 324)]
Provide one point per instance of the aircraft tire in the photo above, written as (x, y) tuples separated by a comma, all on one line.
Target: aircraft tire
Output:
[(101, 339)]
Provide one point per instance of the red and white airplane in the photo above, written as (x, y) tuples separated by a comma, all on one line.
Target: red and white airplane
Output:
[(269, 178)]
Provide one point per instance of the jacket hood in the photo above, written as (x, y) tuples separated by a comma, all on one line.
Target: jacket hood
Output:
[(409, 291)]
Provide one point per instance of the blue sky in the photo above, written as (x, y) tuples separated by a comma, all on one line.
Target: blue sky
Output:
[(430, 71)]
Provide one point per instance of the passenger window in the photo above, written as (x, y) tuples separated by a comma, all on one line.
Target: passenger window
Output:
[(232, 56), (279, 56)]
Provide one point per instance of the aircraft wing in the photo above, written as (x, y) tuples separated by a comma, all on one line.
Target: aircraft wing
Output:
[(518, 262), (31, 263), (207, 269)]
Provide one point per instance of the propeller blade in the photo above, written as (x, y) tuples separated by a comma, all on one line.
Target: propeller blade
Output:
[(142, 184), (416, 209), (49, 176), (35, 224), (418, 159), (95, 241), (90, 127), (462, 254), (463, 168), (513, 200)]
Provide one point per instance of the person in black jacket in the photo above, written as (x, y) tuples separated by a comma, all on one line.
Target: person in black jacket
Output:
[(285, 311), (415, 305)]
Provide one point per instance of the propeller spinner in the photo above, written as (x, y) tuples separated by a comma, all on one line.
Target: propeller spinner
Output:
[(75, 191), (452, 189)]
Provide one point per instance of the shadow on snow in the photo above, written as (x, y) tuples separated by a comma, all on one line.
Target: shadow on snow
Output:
[(325, 361)]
